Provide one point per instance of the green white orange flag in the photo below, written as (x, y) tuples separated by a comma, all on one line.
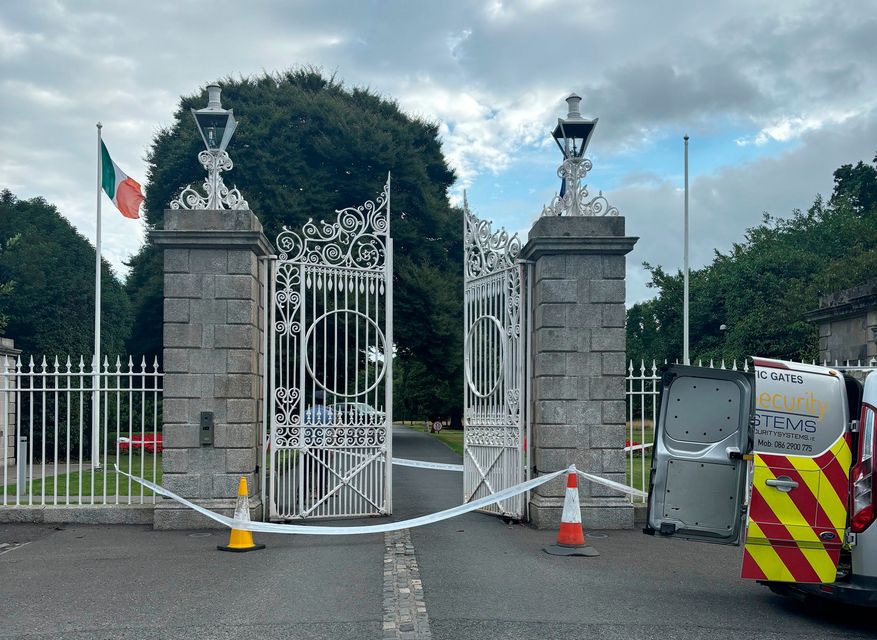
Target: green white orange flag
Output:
[(125, 192)]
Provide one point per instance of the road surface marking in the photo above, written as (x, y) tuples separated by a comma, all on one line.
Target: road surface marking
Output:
[(404, 607)]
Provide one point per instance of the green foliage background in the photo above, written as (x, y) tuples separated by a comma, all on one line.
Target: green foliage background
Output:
[(48, 271), (764, 285), (306, 146)]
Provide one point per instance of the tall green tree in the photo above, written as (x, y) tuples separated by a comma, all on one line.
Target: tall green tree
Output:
[(7, 286), (857, 185), (761, 289), (306, 146), (51, 309)]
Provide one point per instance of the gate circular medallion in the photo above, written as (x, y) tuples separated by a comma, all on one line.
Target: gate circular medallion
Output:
[(341, 346), (484, 355)]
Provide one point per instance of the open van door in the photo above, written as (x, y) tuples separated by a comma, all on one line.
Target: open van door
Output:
[(698, 480), (794, 420)]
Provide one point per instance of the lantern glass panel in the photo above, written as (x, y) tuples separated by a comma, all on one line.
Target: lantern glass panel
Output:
[(212, 126)]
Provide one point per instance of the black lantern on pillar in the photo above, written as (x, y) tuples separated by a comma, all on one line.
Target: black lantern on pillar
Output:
[(573, 133), (215, 124)]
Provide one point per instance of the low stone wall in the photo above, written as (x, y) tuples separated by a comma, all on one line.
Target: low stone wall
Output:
[(97, 514)]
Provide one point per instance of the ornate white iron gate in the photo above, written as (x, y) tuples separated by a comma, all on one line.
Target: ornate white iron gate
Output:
[(331, 332), (494, 359)]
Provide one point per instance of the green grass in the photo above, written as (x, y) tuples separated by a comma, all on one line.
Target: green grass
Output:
[(635, 479), (641, 435), (107, 476), (453, 438)]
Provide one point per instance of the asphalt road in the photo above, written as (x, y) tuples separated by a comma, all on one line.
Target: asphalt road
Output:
[(485, 579), (481, 579)]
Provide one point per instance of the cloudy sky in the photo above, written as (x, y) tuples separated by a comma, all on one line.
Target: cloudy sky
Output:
[(775, 96)]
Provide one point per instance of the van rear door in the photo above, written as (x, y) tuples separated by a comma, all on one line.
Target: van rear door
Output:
[(800, 481), (698, 479)]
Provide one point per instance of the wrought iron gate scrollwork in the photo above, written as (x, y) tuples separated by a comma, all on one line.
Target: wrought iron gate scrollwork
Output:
[(494, 362), (330, 366)]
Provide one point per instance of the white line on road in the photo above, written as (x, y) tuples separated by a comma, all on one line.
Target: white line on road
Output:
[(6, 547)]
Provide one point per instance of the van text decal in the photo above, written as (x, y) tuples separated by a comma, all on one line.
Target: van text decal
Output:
[(780, 376), (806, 406)]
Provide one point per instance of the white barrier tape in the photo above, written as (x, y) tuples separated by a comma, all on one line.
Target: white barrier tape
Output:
[(458, 467), (587, 476), (614, 485), (421, 464), (272, 527), (417, 464), (638, 447)]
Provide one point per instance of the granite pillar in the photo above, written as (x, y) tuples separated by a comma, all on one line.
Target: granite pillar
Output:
[(213, 323), (578, 363)]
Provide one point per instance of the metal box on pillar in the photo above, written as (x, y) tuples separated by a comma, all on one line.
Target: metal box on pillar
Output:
[(576, 288), (214, 274)]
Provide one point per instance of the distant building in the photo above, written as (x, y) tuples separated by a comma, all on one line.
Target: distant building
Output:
[(847, 323), (8, 355)]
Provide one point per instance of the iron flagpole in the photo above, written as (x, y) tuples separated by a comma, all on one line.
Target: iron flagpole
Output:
[(685, 338), (95, 414)]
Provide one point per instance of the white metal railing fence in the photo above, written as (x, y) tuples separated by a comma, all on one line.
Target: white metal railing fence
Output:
[(56, 454), (643, 399)]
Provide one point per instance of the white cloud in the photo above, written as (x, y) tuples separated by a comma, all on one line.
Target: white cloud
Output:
[(787, 129), (724, 204), (35, 95), (481, 134), (495, 78)]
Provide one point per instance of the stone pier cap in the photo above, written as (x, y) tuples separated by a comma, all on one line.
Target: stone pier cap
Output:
[(552, 235), (226, 228)]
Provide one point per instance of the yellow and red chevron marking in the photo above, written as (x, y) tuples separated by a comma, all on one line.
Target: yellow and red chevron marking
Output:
[(783, 540)]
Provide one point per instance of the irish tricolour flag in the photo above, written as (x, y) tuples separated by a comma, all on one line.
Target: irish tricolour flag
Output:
[(124, 191)]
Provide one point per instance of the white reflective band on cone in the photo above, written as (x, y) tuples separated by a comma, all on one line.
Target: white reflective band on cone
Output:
[(272, 527), (242, 508), (614, 485), (420, 464), (571, 508)]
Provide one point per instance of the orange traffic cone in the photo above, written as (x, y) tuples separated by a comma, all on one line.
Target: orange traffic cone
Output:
[(238, 540), (571, 538)]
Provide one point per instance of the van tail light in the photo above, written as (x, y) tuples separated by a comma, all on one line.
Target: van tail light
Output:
[(863, 491)]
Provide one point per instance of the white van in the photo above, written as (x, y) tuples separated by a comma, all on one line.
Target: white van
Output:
[(780, 460)]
